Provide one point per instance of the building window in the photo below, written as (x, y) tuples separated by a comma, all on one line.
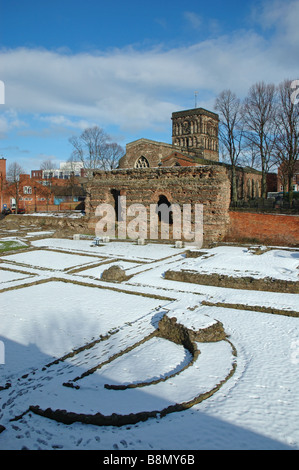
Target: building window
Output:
[(142, 162)]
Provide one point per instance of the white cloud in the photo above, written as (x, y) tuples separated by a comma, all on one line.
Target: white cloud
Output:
[(136, 89), (63, 121), (4, 127), (282, 18), (9, 121), (193, 19)]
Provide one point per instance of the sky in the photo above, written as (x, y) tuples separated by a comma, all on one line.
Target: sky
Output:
[(126, 66)]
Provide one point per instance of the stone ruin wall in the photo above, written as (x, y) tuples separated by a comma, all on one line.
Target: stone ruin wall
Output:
[(207, 185)]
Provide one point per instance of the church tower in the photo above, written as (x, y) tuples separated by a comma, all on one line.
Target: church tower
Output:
[(196, 131)]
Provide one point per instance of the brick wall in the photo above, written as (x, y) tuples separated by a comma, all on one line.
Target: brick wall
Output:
[(3, 168), (268, 229), (63, 206)]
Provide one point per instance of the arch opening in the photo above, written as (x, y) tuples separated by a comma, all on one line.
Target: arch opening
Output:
[(164, 210)]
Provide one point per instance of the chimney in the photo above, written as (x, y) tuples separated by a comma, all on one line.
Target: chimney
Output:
[(3, 169)]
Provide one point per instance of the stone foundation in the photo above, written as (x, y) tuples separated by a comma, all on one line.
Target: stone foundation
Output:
[(245, 282)]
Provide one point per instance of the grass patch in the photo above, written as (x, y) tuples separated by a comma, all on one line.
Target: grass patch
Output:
[(11, 245)]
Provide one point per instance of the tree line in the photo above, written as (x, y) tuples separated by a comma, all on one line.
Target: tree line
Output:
[(260, 131)]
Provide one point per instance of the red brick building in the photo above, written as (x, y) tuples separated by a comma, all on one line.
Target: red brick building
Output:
[(27, 194), (35, 194), (282, 179)]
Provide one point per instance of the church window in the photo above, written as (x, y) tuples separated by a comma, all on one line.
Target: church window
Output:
[(142, 162)]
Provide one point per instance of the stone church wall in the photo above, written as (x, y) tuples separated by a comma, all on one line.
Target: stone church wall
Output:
[(151, 150)]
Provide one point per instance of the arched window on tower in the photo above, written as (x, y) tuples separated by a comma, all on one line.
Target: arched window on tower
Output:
[(142, 162)]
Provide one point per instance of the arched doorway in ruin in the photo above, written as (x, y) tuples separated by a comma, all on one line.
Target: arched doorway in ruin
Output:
[(163, 210), (116, 201)]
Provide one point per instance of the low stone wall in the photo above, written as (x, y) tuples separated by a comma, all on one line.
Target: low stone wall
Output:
[(229, 282), (269, 229), (63, 226)]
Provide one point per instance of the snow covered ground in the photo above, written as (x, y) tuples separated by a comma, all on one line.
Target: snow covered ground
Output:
[(54, 306), (239, 262)]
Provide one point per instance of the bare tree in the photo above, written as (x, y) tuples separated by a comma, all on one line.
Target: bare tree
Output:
[(14, 171), (95, 150), (250, 157), (230, 132), (48, 165), (287, 142), (13, 177), (111, 156), (259, 120)]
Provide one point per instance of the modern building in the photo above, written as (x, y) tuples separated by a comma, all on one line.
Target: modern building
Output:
[(65, 171)]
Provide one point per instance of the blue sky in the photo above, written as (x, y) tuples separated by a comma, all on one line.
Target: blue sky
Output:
[(94, 24), (127, 65)]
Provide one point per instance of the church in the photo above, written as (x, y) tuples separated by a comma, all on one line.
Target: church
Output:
[(194, 141), (187, 171)]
